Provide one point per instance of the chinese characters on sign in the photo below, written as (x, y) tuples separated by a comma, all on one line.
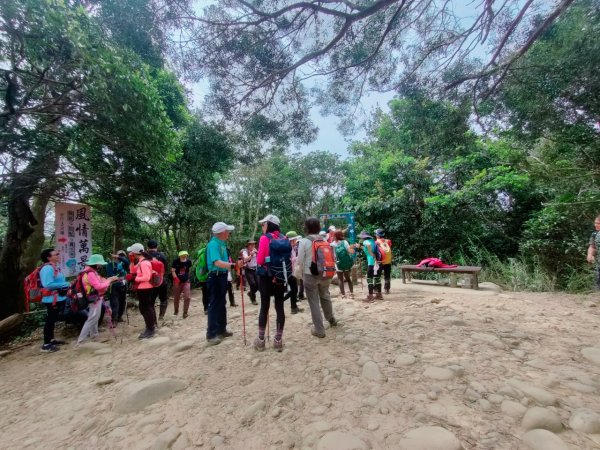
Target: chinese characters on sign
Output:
[(73, 236)]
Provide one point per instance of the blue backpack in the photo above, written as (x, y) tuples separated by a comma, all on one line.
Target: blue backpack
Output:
[(280, 256)]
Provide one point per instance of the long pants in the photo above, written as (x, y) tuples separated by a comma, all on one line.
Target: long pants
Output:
[(598, 278), (318, 297), (51, 319), (252, 283), (301, 289), (230, 293), (162, 294), (346, 275), (387, 275), (178, 289), (204, 289), (217, 311), (147, 308), (292, 293), (373, 279), (267, 288), (90, 327), (118, 299)]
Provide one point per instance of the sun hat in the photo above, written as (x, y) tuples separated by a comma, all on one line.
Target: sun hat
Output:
[(219, 227), (379, 232), (270, 218), (250, 241), (365, 235), (121, 252), (183, 253), (292, 235), (96, 260), (136, 248)]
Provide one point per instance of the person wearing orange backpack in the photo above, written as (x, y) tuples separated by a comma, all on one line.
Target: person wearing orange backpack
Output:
[(140, 274), (316, 280), (385, 247), (53, 282), (95, 287)]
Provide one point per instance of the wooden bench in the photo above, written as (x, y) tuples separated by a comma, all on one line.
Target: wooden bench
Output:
[(469, 270)]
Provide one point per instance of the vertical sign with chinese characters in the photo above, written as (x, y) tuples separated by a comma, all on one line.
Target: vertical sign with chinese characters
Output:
[(73, 236)]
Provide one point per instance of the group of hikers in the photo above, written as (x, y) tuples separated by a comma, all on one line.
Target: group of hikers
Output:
[(282, 266)]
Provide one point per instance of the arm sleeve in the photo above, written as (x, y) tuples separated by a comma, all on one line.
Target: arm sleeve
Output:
[(125, 262), (97, 282), (48, 281), (144, 272), (263, 250)]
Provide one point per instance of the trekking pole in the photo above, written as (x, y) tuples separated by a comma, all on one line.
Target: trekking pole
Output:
[(243, 310)]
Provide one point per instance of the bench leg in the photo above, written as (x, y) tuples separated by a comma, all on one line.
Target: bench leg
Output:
[(475, 282), (452, 279), (403, 276)]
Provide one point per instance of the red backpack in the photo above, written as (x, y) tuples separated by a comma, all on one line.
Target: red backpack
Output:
[(34, 291), (158, 272), (323, 259), (79, 295), (435, 262)]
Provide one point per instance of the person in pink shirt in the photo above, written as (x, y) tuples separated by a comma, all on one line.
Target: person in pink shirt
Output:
[(140, 274), (95, 287)]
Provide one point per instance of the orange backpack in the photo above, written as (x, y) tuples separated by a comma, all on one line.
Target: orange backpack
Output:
[(323, 259), (34, 291)]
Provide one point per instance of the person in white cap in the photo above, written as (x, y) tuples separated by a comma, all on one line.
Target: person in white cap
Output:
[(331, 233), (266, 286), (217, 262)]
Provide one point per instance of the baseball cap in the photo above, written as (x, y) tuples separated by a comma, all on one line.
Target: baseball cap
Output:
[(152, 243), (270, 218), (136, 248), (183, 253), (219, 227), (322, 233), (380, 232), (292, 235)]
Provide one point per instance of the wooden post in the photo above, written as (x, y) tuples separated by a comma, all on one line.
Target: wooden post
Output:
[(403, 276), (476, 281), (452, 279)]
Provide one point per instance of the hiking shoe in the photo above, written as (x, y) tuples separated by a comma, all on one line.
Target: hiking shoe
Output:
[(49, 348), (378, 296), (301, 297), (351, 295), (369, 299), (297, 310), (387, 291), (343, 296), (333, 322), (315, 334), (57, 342), (234, 304), (214, 341), (259, 344), (254, 302), (226, 334), (185, 315), (278, 344), (146, 334)]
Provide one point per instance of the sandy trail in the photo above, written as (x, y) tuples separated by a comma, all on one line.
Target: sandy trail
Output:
[(484, 365)]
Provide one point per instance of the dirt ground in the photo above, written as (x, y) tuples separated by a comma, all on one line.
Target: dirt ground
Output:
[(487, 366)]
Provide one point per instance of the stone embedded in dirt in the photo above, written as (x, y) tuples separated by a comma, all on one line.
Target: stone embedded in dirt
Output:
[(253, 410), (138, 395), (543, 440), (436, 300), (166, 439), (182, 443), (432, 395), (150, 419), (372, 372), (217, 441), (542, 396), (495, 399), (363, 360), (472, 395), (337, 440), (513, 409), (103, 381), (585, 420), (489, 339), (580, 387), (458, 370), (477, 387), (541, 418), (404, 359), (4, 353), (589, 304), (103, 351), (439, 373), (429, 438), (391, 401), (592, 354), (484, 404), (182, 346), (350, 339)]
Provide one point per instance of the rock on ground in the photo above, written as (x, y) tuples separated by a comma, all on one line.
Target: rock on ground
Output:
[(371, 371), (585, 420), (166, 439), (513, 409), (542, 396), (591, 354), (138, 395), (541, 418), (439, 373), (253, 410), (429, 438), (337, 440), (543, 440)]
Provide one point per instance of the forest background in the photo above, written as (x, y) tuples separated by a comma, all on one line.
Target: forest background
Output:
[(488, 154)]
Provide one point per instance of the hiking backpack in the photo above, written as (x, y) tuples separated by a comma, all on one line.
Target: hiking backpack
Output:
[(280, 259), (79, 296), (384, 249), (34, 291), (323, 259), (202, 266), (343, 259), (158, 272)]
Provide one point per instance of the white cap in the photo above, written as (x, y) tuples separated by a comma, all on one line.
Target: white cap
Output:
[(332, 228), (136, 248), (219, 227), (270, 218), (322, 233)]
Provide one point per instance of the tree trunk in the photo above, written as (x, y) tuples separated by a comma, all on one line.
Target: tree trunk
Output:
[(119, 231)]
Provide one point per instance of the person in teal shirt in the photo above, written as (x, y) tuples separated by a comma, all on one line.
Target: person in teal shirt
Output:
[(217, 261), (373, 268), (53, 280)]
